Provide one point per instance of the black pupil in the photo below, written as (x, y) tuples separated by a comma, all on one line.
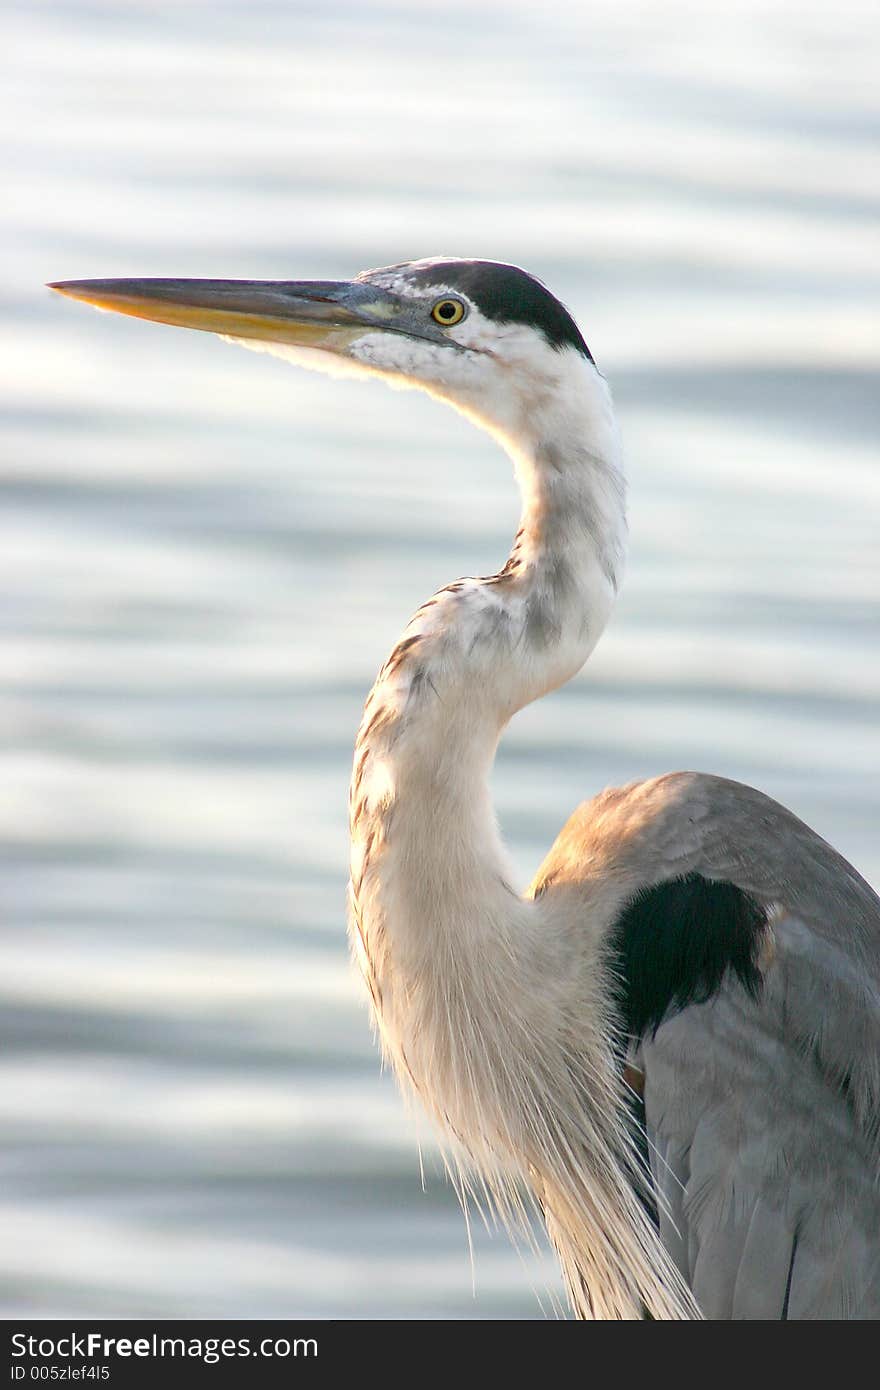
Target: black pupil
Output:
[(447, 310)]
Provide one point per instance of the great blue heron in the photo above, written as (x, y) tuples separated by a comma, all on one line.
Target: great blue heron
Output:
[(693, 972)]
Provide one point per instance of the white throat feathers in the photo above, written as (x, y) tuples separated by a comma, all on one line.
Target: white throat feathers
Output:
[(451, 953)]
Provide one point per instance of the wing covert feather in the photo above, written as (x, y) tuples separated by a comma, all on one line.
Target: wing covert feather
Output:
[(779, 1204), (762, 1113)]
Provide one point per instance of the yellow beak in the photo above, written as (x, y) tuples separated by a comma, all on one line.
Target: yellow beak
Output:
[(310, 313)]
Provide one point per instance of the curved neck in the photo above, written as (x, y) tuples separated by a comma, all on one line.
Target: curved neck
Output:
[(489, 1004), (426, 854)]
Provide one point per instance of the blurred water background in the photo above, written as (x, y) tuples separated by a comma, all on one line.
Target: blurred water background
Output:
[(205, 556)]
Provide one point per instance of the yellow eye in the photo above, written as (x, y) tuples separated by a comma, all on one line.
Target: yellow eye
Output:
[(446, 312)]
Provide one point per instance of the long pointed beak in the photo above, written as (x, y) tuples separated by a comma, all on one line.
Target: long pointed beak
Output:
[(311, 313)]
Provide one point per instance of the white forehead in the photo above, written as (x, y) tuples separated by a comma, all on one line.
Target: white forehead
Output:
[(476, 331), (407, 279)]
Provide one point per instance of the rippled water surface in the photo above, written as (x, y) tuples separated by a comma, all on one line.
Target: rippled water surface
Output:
[(205, 556)]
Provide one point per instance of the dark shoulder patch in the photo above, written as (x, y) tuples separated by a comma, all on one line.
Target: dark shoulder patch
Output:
[(673, 945), (506, 294)]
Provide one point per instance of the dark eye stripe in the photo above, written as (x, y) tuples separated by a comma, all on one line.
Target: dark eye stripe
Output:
[(505, 294)]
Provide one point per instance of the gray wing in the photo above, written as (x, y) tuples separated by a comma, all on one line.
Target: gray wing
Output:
[(767, 1178), (762, 1112)]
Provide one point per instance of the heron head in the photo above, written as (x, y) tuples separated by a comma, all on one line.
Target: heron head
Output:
[(486, 337)]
